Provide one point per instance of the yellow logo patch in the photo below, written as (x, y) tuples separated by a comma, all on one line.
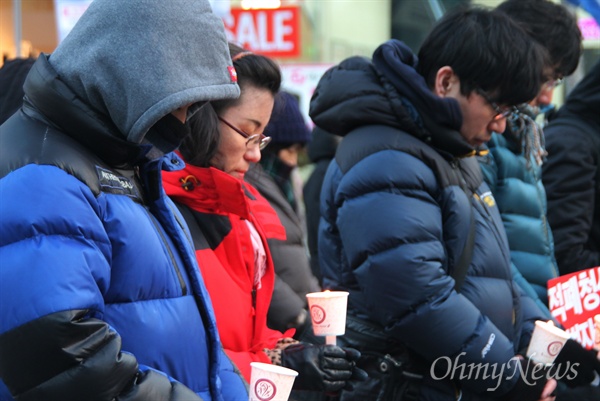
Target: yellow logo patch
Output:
[(488, 199)]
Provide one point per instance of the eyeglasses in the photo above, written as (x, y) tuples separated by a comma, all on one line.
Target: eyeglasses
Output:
[(500, 113), (553, 83), (252, 140)]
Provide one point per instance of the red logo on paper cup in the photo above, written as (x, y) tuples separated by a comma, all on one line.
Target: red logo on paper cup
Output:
[(265, 389), (317, 313), (554, 348)]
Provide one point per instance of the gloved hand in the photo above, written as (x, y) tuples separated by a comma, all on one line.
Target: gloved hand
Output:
[(576, 375), (582, 393), (325, 368), (531, 383)]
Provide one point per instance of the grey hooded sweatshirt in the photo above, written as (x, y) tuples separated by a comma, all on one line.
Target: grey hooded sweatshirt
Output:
[(138, 60)]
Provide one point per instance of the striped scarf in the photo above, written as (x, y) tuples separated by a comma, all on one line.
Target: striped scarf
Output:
[(529, 134)]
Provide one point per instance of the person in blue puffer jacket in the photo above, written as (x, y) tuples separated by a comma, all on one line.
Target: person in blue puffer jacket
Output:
[(513, 166), (101, 297), (404, 209)]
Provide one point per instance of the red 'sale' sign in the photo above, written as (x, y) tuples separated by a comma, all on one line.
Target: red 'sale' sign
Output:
[(272, 32)]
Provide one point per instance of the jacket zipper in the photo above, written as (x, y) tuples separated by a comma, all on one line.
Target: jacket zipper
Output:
[(183, 227), (166, 244)]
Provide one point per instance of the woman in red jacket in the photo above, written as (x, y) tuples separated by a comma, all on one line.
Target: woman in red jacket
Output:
[(230, 223)]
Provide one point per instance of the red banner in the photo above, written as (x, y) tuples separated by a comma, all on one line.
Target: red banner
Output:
[(272, 32), (574, 300)]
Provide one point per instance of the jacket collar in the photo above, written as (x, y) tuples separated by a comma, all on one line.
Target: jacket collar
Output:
[(209, 190)]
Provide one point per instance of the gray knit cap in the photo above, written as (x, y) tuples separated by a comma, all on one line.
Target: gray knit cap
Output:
[(137, 60)]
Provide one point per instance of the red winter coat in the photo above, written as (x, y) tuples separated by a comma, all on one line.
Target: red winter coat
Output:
[(215, 206)]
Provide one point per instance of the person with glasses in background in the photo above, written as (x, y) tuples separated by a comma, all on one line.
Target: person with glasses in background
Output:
[(231, 222), (511, 161), (408, 226)]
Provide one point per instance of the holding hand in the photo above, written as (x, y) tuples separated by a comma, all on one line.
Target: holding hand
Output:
[(532, 384), (588, 364), (322, 367)]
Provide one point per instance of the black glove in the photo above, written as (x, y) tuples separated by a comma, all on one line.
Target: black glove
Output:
[(583, 393), (576, 364), (325, 368), (528, 387)]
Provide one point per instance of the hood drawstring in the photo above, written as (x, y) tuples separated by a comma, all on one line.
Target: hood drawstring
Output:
[(189, 183)]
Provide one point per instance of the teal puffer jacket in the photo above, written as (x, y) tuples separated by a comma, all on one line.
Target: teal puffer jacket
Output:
[(517, 187)]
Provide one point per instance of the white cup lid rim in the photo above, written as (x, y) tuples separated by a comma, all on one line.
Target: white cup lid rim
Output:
[(551, 328), (274, 368), (327, 294)]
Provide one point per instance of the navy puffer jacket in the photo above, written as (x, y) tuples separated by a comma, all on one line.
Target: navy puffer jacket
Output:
[(395, 217)]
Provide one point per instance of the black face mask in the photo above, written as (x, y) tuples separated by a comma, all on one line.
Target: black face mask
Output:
[(167, 134)]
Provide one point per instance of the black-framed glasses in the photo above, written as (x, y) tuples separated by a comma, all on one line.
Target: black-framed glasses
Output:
[(553, 83), (252, 140), (500, 113)]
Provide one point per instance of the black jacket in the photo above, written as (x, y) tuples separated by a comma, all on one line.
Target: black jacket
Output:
[(321, 150), (12, 77), (571, 176)]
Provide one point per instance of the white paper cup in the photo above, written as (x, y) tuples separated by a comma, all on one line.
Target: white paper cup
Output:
[(270, 382), (597, 332), (328, 312), (546, 342)]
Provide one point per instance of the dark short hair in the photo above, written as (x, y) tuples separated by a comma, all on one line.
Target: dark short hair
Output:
[(252, 69), (487, 50), (552, 26)]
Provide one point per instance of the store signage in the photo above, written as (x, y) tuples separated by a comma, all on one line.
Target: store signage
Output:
[(590, 30), (272, 32), (67, 13), (301, 81)]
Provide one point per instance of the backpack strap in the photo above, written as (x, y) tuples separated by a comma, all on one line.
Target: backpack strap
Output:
[(463, 263)]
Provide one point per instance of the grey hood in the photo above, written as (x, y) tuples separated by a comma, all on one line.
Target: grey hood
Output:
[(137, 60)]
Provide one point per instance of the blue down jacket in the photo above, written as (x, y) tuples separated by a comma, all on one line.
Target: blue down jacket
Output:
[(395, 217), (100, 294)]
